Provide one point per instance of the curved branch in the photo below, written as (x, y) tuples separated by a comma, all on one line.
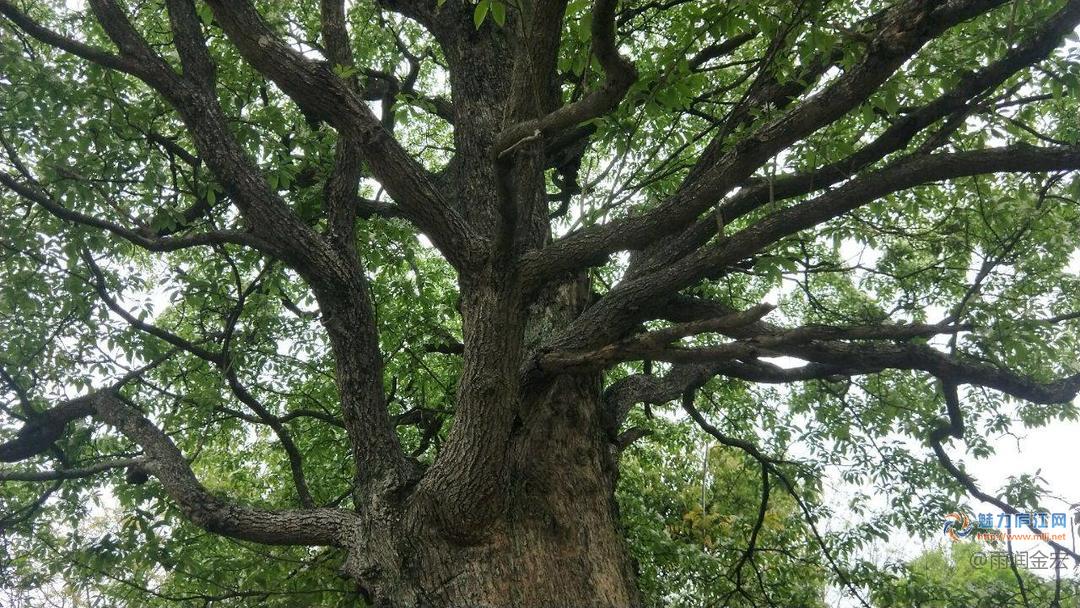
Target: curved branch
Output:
[(322, 94), (619, 74), (39, 432), (642, 345), (867, 358), (281, 233), (90, 53), (145, 239), (769, 463), (1038, 46), (627, 304), (286, 527), (190, 43), (955, 428), (74, 473), (321, 526), (902, 31), (284, 437), (182, 343)]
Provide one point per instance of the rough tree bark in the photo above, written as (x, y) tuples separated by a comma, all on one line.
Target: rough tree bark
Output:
[(518, 509)]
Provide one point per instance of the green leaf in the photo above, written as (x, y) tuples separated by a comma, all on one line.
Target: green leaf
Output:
[(205, 14), (575, 6), (480, 12), (344, 71), (498, 12)]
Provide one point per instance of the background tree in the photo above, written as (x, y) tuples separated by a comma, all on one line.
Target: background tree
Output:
[(379, 284), (946, 578), (690, 520)]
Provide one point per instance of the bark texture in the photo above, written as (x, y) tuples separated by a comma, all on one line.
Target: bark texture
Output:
[(555, 539), (524, 514)]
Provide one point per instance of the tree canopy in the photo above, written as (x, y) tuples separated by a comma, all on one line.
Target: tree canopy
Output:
[(312, 303), (943, 579)]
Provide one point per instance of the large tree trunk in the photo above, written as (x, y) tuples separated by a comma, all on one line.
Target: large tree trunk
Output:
[(556, 540), (545, 531), (518, 509)]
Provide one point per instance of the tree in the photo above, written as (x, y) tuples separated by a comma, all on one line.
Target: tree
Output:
[(940, 579), (689, 522), (381, 282)]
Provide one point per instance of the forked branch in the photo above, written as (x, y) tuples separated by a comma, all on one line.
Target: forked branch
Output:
[(318, 526)]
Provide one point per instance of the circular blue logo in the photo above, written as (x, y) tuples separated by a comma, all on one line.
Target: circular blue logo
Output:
[(958, 526)]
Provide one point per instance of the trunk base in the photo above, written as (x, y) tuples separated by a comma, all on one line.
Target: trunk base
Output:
[(558, 541)]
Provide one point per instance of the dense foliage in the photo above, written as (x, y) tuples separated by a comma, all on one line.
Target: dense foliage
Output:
[(948, 579)]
